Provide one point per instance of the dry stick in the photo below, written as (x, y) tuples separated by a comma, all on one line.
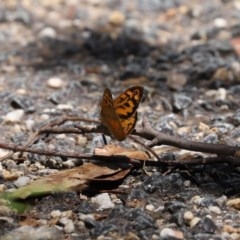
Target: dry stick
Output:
[(121, 158), (145, 146), (158, 138), (48, 128), (149, 133), (16, 148)]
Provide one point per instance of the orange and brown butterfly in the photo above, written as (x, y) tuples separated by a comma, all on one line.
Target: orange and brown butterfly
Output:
[(119, 115)]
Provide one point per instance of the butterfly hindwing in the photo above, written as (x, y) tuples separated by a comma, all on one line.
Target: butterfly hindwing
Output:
[(109, 117)]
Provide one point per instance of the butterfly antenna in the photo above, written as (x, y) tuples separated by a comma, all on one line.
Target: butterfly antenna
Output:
[(104, 139)]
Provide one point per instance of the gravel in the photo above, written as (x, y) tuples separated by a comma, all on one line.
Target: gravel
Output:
[(56, 59)]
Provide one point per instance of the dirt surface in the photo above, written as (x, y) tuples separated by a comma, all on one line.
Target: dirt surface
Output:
[(56, 59)]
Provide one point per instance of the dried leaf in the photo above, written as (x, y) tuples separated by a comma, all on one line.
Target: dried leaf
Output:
[(73, 179), (109, 150)]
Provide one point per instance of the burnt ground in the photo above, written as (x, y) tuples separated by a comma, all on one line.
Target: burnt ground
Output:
[(57, 57)]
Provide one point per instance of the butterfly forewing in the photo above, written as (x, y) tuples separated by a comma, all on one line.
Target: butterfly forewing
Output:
[(128, 101)]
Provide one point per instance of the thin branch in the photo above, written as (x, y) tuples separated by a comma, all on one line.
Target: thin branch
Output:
[(158, 138), (122, 158), (227, 154)]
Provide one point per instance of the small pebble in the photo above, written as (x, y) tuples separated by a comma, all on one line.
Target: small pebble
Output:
[(83, 216), (42, 222), (194, 221), (104, 201), (181, 101), (14, 116), (3, 153), (221, 201), (220, 22), (29, 124), (235, 236), (5, 211), (150, 207), (69, 163), (221, 94), (64, 221), (176, 81), (22, 181), (188, 216), (67, 214), (69, 227), (116, 18), (6, 219), (21, 91), (215, 209), (2, 187), (7, 175), (168, 233), (64, 107), (81, 140), (48, 32), (55, 82), (235, 203), (55, 213)]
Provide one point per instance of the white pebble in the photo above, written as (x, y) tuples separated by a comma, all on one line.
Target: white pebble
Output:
[(150, 207), (55, 213), (14, 116), (69, 227), (194, 221), (168, 233), (48, 32), (55, 82), (221, 200), (3, 153), (64, 221), (21, 91), (83, 216), (220, 22), (29, 124), (44, 117), (64, 107), (188, 216), (215, 209), (69, 163), (21, 181), (82, 140), (104, 201), (221, 94), (196, 200)]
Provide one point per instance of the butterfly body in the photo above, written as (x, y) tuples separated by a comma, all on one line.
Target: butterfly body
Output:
[(119, 115)]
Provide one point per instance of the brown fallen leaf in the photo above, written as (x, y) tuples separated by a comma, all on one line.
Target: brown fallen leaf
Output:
[(109, 150), (76, 179)]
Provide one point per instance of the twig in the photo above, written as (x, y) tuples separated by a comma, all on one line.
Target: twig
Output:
[(122, 158), (158, 138), (227, 154)]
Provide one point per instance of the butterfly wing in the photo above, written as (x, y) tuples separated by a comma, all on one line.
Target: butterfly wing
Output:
[(109, 116), (128, 124), (128, 101), (119, 115)]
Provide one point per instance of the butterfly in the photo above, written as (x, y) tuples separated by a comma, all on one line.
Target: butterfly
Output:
[(119, 115)]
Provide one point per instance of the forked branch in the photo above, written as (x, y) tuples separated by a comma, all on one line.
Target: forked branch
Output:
[(225, 153)]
